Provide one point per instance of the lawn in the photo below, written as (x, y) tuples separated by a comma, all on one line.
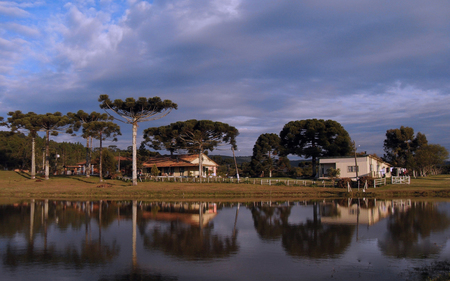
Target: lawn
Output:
[(15, 185)]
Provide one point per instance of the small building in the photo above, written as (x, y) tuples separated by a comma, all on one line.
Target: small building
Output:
[(180, 165), (367, 165)]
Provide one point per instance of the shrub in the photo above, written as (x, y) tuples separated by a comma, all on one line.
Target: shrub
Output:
[(342, 182)]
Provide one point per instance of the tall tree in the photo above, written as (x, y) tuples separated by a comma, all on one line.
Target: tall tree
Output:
[(400, 146), (199, 136), (101, 130), (79, 120), (133, 112), (313, 138), (196, 136), (30, 122), (52, 123), (267, 146)]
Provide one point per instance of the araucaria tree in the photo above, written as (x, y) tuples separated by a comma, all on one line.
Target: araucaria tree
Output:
[(51, 123), (164, 137), (30, 122), (80, 119), (266, 148), (133, 112), (101, 130), (196, 136), (313, 138)]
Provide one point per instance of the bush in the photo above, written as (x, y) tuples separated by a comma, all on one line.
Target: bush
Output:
[(342, 182), (368, 179)]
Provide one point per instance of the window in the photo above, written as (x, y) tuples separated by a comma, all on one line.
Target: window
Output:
[(352, 169)]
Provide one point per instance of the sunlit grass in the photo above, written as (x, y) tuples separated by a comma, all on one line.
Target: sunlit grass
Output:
[(20, 185)]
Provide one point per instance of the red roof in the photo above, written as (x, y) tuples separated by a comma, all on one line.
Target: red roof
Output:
[(172, 161)]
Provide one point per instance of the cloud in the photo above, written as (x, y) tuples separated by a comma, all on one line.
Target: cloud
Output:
[(372, 66)]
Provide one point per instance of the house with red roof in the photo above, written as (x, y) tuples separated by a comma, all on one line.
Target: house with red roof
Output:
[(180, 165)]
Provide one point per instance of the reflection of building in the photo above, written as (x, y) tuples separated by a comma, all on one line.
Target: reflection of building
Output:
[(368, 165), (192, 214), (353, 214), (180, 165)]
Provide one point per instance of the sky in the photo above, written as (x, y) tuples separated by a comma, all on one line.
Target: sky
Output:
[(256, 65)]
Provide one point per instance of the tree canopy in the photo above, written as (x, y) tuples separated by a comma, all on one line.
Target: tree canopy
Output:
[(134, 111), (30, 122), (313, 138), (267, 146), (81, 118), (195, 136), (101, 130), (400, 146)]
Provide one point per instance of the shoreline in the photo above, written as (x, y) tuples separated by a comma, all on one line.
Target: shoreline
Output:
[(18, 186)]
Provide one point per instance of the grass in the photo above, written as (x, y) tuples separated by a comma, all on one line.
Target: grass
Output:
[(15, 186)]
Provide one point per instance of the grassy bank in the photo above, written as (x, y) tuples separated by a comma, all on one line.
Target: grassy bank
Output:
[(19, 186)]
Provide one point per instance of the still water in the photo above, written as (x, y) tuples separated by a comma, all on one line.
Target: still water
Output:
[(322, 240)]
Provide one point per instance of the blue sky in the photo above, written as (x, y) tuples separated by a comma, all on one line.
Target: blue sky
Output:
[(256, 65)]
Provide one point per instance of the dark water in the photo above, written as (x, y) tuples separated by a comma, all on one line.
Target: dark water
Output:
[(331, 240)]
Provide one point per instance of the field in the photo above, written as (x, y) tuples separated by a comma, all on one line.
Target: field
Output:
[(16, 186)]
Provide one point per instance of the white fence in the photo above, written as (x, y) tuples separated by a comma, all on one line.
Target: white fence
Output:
[(401, 180)]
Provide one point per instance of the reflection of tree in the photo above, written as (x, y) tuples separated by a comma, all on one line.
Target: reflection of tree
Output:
[(138, 275), (407, 231), (91, 253), (190, 242), (310, 239), (36, 219), (316, 240), (269, 221)]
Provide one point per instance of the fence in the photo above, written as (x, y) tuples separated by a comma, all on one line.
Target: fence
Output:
[(401, 180), (241, 181), (378, 182)]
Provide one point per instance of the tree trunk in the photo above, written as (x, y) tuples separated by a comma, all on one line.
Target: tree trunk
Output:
[(100, 174), (33, 157), (200, 166), (88, 160), (47, 156), (134, 177)]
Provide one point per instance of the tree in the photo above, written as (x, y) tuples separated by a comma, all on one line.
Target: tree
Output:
[(31, 123), (79, 120), (400, 146), (101, 130), (53, 123), (50, 123), (108, 162), (429, 157), (199, 136), (164, 137), (135, 111), (196, 136), (267, 146), (313, 138), (155, 172)]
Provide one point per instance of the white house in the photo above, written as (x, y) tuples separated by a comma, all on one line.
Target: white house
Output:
[(367, 165)]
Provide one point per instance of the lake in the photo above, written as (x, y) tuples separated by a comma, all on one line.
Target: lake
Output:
[(344, 239)]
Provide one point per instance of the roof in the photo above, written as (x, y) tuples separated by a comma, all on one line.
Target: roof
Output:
[(358, 156), (175, 161), (117, 158)]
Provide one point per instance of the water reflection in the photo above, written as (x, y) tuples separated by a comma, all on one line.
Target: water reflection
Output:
[(186, 231), (409, 230), (134, 240)]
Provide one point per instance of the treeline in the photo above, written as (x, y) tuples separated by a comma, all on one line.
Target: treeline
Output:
[(15, 152)]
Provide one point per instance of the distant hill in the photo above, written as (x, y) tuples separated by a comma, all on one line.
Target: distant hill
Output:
[(239, 159)]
